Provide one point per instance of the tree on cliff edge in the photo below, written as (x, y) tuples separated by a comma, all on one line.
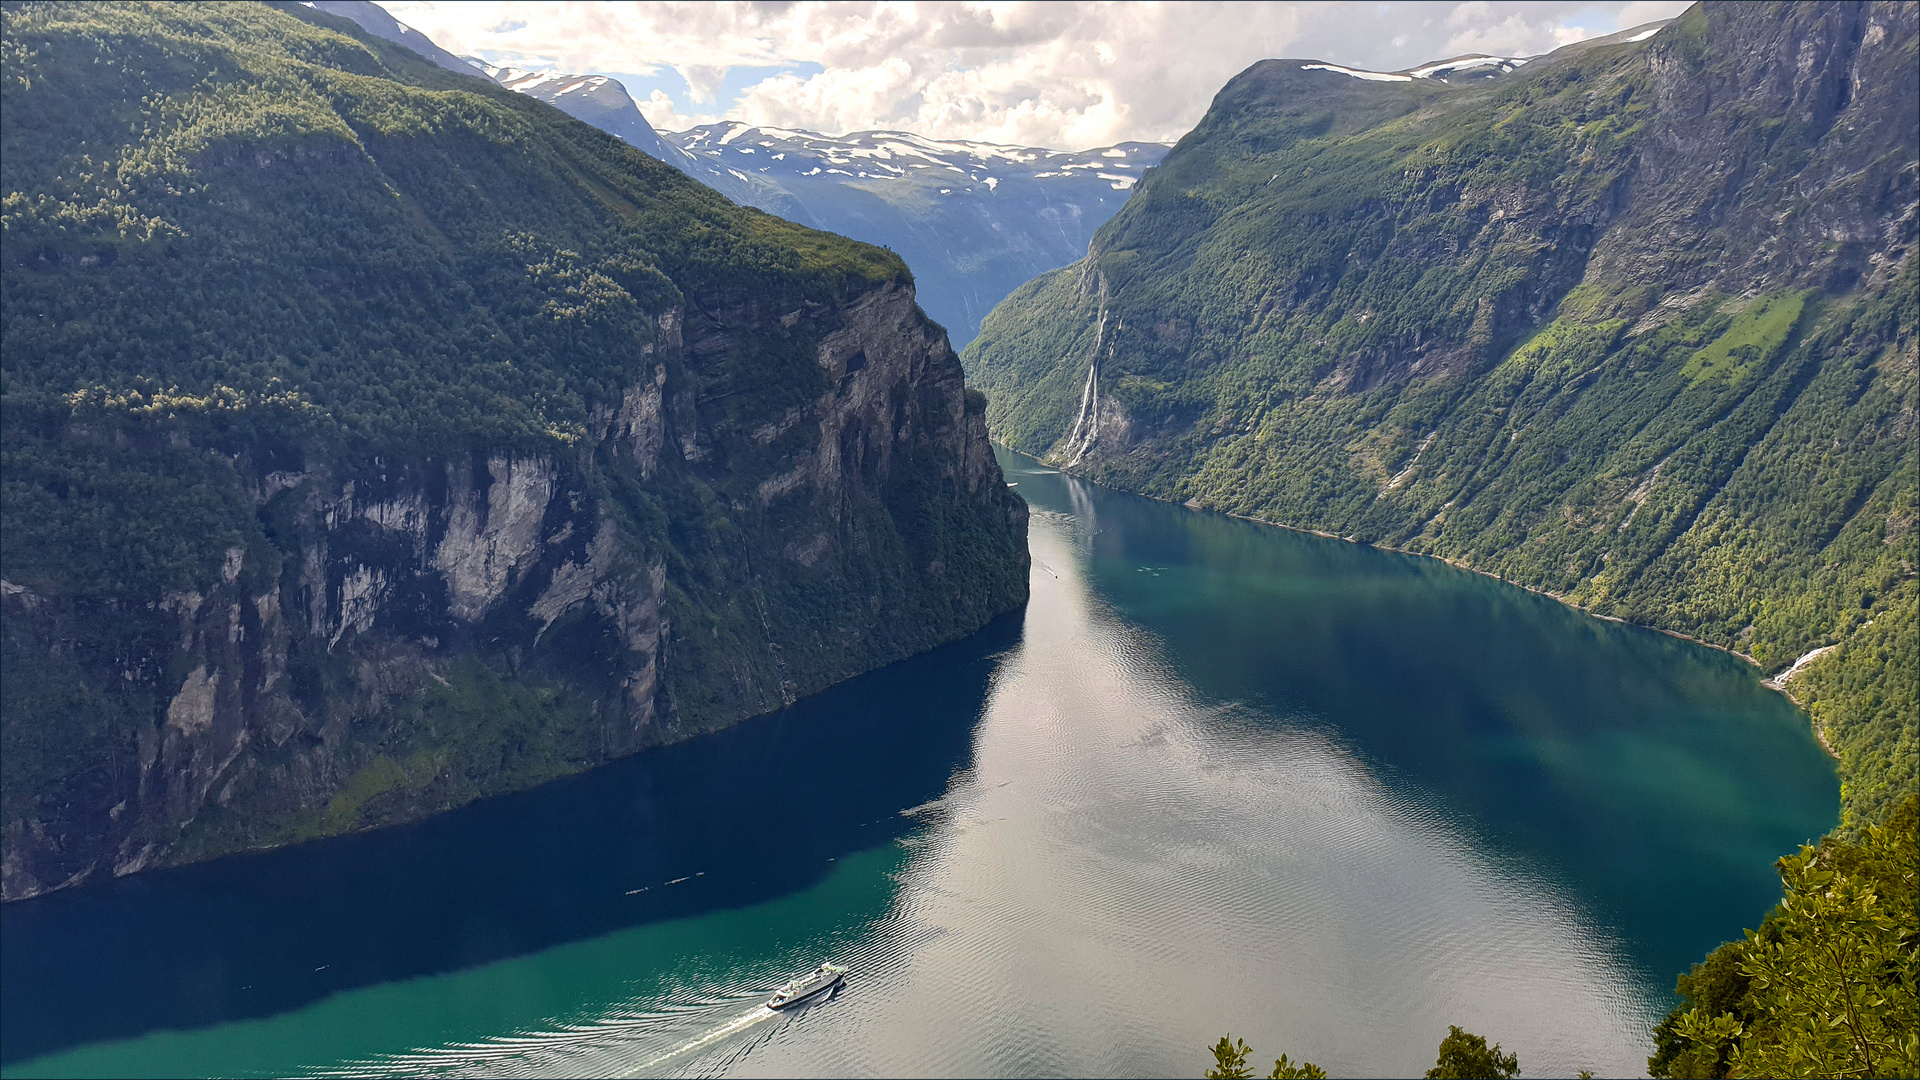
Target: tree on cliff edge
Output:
[(1466, 1056), (1826, 986)]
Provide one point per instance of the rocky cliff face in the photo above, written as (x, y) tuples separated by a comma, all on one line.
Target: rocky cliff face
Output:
[(1775, 154), (338, 675), (1342, 234), (296, 544)]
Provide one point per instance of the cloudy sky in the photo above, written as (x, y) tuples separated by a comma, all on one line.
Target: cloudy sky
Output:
[(1058, 74)]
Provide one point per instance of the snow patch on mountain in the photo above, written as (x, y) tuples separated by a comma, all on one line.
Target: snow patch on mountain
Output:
[(1476, 65), (902, 155), (1370, 76), (1442, 69)]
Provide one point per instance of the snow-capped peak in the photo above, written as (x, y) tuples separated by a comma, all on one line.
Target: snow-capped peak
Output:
[(943, 166)]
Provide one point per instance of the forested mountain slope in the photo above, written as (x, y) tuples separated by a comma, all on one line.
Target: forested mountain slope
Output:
[(375, 20), (602, 101), (376, 438), (1634, 325), (595, 99)]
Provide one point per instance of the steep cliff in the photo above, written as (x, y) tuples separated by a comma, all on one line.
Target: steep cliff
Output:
[(377, 439), (1633, 324)]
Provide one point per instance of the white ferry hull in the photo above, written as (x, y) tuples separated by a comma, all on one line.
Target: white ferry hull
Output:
[(809, 995)]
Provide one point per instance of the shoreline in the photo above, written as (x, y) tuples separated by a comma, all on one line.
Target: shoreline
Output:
[(1775, 683)]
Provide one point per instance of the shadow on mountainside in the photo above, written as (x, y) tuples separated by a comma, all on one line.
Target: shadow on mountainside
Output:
[(757, 810)]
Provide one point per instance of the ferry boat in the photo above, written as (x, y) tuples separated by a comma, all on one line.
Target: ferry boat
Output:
[(818, 981)]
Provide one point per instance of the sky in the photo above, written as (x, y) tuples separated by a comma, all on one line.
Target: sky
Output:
[(1067, 75)]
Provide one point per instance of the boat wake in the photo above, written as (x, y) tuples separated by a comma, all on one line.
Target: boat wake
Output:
[(601, 1048), (733, 1027)]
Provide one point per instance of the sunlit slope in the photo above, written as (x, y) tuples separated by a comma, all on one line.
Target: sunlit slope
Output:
[(1633, 325), (377, 438)]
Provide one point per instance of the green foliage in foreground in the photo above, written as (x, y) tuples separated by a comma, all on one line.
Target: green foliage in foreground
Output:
[(1463, 1056), (1826, 986), (1230, 1063), (1466, 1056)]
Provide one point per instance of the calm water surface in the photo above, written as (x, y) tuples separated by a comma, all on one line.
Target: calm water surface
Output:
[(1216, 777)]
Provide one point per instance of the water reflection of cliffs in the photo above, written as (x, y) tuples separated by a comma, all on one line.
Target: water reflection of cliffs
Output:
[(367, 491), (572, 860)]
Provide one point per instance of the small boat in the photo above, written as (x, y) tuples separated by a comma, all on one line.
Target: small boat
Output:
[(818, 981)]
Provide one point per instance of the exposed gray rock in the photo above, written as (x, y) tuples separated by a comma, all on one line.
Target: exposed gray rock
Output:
[(489, 534), (346, 676)]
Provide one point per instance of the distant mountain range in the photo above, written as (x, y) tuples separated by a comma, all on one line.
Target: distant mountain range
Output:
[(596, 99), (973, 221)]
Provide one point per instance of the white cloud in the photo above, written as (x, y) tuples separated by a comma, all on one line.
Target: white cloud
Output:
[(1069, 75), (664, 115), (1644, 11), (703, 80)]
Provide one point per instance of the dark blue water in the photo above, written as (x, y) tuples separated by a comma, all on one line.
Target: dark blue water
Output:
[(258, 935), (1216, 777)]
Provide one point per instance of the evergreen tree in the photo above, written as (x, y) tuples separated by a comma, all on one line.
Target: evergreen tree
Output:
[(1466, 1056)]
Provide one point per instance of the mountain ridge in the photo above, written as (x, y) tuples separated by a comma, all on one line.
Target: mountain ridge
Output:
[(974, 219), (968, 249), (377, 439)]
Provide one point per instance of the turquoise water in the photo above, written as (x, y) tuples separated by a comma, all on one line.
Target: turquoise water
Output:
[(1216, 777)]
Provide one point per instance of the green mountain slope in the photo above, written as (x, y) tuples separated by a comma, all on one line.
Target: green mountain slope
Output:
[(1633, 326), (377, 438)]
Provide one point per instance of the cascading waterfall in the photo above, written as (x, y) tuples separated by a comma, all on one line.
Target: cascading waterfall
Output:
[(1086, 422)]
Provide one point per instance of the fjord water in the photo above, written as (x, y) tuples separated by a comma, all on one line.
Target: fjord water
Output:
[(1216, 777)]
